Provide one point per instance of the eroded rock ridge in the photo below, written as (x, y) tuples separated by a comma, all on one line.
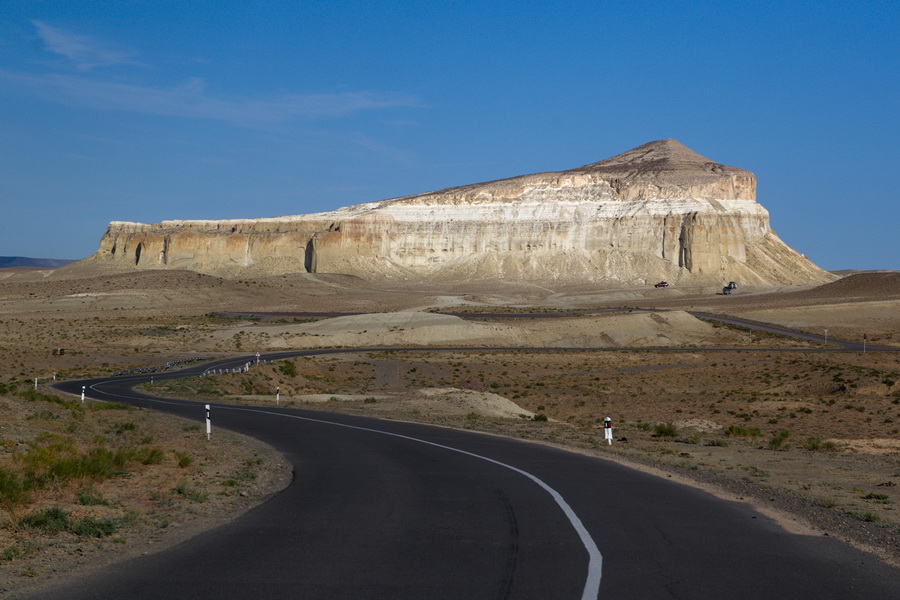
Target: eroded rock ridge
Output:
[(659, 211)]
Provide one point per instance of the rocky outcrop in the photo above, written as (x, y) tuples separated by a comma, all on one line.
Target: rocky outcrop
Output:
[(660, 211)]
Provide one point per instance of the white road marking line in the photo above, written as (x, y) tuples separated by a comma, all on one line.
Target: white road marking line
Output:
[(595, 559)]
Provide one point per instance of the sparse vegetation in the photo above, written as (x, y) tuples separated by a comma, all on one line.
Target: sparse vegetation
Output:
[(665, 430), (724, 407), (779, 440)]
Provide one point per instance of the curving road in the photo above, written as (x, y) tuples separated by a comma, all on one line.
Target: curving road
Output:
[(389, 510)]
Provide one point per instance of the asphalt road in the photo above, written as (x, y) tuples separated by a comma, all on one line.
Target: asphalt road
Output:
[(387, 510)]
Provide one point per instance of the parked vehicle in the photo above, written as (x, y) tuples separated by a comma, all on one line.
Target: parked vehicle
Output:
[(662, 284)]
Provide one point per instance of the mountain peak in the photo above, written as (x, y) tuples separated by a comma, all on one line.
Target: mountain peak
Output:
[(661, 157)]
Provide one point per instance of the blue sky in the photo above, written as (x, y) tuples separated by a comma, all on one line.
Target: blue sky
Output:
[(153, 110)]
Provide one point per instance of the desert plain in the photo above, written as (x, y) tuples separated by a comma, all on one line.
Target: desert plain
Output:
[(803, 429)]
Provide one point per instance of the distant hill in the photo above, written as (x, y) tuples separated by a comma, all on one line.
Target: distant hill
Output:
[(22, 261)]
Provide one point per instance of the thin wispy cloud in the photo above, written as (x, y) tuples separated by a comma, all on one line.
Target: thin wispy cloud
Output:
[(85, 52), (191, 100)]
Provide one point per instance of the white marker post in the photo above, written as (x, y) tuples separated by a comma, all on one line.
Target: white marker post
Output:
[(35, 383), (826, 337), (82, 394), (208, 423), (865, 338), (277, 395), (607, 430), (257, 358)]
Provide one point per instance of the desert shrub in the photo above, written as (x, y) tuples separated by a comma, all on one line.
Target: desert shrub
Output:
[(868, 517), (665, 430), (735, 431), (881, 498), (93, 528), (50, 520), (14, 490), (149, 456), (44, 415), (539, 417), (288, 368), (779, 440), (123, 428), (100, 405), (20, 550), (717, 443), (91, 497), (33, 395), (45, 464), (192, 494), (183, 459), (816, 444)]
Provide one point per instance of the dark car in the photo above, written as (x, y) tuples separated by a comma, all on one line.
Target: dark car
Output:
[(662, 284)]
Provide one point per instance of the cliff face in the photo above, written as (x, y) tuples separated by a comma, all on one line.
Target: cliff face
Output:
[(660, 211)]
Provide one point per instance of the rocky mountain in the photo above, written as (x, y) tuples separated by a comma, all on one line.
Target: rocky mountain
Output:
[(659, 211)]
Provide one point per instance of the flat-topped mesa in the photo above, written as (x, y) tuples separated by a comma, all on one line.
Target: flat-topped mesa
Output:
[(659, 211)]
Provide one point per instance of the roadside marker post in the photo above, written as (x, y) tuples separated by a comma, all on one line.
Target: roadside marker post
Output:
[(865, 338), (277, 395), (208, 423), (826, 337), (35, 383), (607, 430), (82, 394)]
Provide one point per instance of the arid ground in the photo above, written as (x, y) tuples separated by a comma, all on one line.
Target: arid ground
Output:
[(806, 432)]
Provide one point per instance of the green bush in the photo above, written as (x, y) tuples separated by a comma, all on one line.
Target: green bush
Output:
[(288, 368), (149, 456), (14, 490), (816, 444), (101, 405), (45, 464), (881, 498), (90, 497), (50, 520), (868, 517), (183, 459), (541, 417), (779, 440), (192, 494), (33, 395), (665, 430), (93, 528), (735, 431)]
